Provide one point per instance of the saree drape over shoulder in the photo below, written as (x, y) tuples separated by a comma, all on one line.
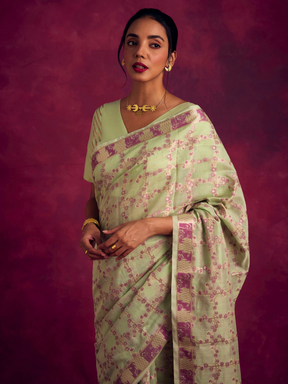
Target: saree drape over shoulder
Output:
[(165, 313)]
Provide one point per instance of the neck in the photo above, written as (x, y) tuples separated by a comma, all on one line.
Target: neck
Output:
[(146, 93)]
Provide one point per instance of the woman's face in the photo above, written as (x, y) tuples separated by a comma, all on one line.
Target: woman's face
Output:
[(146, 50)]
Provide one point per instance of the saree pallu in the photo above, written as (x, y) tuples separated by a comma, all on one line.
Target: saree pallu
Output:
[(172, 291)]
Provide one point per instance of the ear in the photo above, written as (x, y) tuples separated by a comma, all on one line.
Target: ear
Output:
[(172, 58)]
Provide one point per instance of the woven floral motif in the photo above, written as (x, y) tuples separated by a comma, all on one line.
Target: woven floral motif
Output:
[(185, 285)]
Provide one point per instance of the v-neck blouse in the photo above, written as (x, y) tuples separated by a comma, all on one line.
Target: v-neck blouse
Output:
[(110, 126), (111, 117)]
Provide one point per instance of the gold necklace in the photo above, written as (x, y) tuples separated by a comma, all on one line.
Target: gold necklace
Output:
[(139, 110)]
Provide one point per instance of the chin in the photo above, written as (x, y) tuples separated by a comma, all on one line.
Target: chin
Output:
[(143, 78)]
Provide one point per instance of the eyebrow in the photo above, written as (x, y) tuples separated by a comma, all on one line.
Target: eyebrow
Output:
[(149, 37)]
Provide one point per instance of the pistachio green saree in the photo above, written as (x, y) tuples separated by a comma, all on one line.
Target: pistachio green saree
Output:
[(165, 313)]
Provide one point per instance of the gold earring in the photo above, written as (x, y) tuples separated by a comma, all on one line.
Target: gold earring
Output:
[(123, 63), (168, 68)]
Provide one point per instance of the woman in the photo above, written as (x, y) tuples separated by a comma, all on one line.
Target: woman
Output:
[(168, 217)]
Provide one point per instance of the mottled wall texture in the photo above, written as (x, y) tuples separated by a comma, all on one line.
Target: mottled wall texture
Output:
[(57, 65)]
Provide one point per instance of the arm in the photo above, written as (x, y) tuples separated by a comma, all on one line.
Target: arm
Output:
[(91, 208), (91, 234)]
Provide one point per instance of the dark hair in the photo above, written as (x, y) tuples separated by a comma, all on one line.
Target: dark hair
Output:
[(166, 21)]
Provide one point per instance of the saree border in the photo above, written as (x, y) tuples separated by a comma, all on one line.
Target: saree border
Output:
[(136, 369), (193, 106), (174, 300), (119, 145)]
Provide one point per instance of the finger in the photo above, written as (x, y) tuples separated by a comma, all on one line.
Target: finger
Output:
[(108, 244), (113, 230), (126, 253), (92, 256), (96, 255), (117, 251), (112, 249), (86, 245), (95, 258), (98, 242), (94, 252)]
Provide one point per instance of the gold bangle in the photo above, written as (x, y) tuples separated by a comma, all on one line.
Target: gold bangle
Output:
[(91, 220)]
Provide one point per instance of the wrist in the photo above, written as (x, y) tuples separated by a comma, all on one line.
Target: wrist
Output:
[(91, 221), (159, 225), (150, 226), (90, 227)]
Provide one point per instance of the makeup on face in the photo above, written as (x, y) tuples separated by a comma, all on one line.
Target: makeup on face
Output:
[(146, 48)]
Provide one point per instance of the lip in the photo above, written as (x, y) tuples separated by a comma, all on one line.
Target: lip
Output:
[(139, 67)]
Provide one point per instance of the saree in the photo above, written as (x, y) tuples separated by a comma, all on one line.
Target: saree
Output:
[(166, 312)]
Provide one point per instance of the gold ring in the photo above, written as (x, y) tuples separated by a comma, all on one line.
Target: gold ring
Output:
[(86, 251), (114, 246)]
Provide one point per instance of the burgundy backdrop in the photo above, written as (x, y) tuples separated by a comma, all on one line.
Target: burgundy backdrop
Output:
[(58, 64)]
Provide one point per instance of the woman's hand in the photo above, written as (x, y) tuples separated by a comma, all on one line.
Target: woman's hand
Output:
[(91, 236), (126, 237)]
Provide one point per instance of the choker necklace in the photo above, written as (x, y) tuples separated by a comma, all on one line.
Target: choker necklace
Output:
[(139, 110)]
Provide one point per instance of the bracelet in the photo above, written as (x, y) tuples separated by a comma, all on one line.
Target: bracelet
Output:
[(91, 220)]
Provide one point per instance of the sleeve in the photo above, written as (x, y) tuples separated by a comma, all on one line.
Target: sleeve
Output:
[(94, 140), (209, 263)]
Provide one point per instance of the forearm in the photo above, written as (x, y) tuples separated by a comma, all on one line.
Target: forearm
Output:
[(160, 225), (91, 209)]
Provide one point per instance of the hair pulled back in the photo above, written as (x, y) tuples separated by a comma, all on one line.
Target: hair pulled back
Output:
[(166, 21)]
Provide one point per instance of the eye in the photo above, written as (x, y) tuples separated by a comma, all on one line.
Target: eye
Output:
[(156, 45), (131, 42)]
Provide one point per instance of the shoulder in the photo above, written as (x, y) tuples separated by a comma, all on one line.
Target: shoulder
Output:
[(107, 108), (103, 112), (174, 101)]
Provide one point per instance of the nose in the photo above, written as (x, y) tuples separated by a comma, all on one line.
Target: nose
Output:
[(140, 52)]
